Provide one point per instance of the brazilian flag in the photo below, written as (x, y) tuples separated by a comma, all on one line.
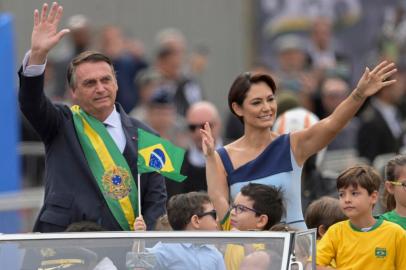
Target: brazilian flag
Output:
[(159, 155)]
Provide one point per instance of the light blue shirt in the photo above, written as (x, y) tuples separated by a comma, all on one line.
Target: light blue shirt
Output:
[(186, 256), (113, 121)]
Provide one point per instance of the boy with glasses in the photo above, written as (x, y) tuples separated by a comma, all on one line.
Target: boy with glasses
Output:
[(361, 242), (256, 208)]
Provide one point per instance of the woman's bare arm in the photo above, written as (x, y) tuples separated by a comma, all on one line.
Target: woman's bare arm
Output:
[(217, 186), (311, 140)]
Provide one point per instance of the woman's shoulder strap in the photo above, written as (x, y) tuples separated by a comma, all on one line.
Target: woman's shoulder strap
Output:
[(225, 158)]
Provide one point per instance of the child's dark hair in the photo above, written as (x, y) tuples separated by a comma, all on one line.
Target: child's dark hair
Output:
[(361, 175), (162, 224), (325, 211), (392, 174), (182, 207), (85, 226), (267, 200)]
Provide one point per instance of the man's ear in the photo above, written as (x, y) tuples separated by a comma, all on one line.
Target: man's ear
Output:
[(72, 93), (236, 108), (262, 221), (194, 222)]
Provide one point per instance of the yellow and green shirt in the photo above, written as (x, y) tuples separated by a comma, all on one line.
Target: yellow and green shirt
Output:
[(381, 248)]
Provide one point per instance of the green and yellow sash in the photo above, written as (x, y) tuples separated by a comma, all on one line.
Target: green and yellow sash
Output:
[(109, 167)]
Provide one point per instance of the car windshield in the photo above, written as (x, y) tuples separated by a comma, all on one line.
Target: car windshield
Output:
[(158, 250)]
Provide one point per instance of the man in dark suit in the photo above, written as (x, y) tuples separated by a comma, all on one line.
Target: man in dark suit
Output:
[(72, 190), (381, 129)]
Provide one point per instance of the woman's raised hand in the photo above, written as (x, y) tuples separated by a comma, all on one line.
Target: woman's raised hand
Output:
[(372, 81), (207, 140), (45, 33)]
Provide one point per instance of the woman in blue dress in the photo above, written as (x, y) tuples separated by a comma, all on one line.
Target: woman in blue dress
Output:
[(263, 156)]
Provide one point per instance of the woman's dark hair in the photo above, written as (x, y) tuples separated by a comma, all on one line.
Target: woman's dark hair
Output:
[(241, 86), (392, 174)]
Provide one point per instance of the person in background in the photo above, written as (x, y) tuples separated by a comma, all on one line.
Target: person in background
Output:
[(170, 61), (323, 213), (147, 82), (395, 188), (127, 62), (79, 40), (335, 90), (381, 130), (194, 164)]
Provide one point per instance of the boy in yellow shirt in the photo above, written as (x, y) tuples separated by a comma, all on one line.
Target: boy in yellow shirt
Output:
[(362, 242)]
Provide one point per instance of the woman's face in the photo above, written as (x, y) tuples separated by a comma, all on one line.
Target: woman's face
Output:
[(259, 107)]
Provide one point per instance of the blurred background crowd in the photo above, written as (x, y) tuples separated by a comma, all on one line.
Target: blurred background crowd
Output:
[(175, 61)]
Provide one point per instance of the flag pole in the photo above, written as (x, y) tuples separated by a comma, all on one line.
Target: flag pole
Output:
[(139, 193)]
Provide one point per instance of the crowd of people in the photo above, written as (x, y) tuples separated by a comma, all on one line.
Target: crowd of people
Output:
[(255, 178)]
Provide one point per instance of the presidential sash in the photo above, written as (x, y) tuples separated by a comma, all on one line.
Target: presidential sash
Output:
[(109, 167)]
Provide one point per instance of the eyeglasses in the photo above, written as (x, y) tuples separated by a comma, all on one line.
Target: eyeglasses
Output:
[(239, 208), (193, 127), (212, 213), (396, 183)]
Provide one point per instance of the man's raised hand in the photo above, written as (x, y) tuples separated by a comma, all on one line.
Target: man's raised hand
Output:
[(45, 33)]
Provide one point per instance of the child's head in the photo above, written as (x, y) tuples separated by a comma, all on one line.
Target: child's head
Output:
[(257, 207), (191, 211), (162, 224), (395, 182), (323, 213), (358, 190), (85, 226)]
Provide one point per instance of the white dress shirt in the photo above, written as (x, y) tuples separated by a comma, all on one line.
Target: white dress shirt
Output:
[(112, 122)]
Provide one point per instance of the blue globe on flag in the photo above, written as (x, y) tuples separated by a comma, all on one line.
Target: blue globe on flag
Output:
[(157, 159), (116, 180)]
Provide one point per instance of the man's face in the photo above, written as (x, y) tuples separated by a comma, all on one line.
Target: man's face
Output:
[(95, 89), (195, 121), (333, 93)]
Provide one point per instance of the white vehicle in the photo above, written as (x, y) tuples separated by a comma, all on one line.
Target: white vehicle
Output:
[(134, 250)]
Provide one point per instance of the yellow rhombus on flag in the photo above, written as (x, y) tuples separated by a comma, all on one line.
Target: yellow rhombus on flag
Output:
[(159, 155)]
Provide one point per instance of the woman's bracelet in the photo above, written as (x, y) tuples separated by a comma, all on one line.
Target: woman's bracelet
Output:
[(357, 96)]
